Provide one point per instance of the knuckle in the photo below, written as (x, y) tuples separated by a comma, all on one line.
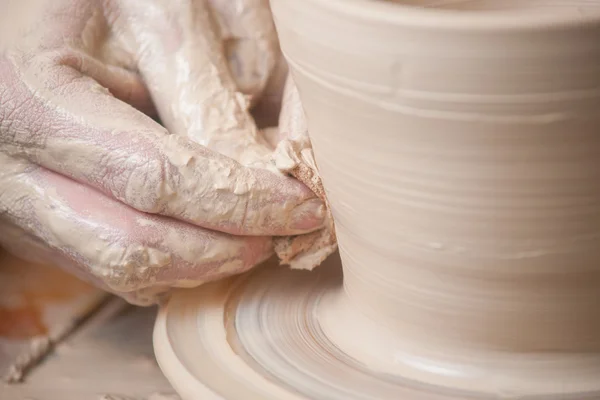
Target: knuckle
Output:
[(145, 184), (134, 172)]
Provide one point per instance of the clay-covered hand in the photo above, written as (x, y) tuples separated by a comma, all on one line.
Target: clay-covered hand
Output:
[(88, 181), (294, 156)]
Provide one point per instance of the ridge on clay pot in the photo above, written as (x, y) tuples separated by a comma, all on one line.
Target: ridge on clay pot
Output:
[(460, 153), (458, 143)]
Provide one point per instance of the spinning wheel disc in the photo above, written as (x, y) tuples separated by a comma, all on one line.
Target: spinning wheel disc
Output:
[(263, 336)]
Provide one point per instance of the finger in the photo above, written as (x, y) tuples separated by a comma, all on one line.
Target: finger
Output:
[(26, 246), (123, 84), (80, 37), (267, 109), (292, 120), (182, 61), (71, 125), (250, 41), (107, 241), (293, 146), (271, 136), (294, 154)]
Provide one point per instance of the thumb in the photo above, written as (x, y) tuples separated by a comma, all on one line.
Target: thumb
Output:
[(182, 59), (249, 40), (292, 120)]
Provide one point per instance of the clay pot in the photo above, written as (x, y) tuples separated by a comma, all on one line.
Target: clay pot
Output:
[(460, 153)]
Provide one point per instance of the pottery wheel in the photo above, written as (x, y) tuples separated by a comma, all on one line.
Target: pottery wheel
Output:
[(262, 336)]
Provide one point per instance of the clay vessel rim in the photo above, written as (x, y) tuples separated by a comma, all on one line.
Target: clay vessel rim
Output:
[(381, 11)]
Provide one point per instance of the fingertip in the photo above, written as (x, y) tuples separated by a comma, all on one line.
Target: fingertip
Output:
[(307, 217), (291, 208), (308, 214)]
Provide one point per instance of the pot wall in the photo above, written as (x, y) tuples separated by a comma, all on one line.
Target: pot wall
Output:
[(461, 158)]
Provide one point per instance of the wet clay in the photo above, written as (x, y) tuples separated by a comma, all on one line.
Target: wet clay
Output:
[(294, 156), (460, 200), (103, 190), (280, 334), (458, 148)]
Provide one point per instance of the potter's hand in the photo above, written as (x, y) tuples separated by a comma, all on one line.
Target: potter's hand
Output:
[(90, 183), (294, 155)]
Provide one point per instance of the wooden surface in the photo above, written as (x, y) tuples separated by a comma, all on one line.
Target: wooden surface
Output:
[(38, 303), (108, 356)]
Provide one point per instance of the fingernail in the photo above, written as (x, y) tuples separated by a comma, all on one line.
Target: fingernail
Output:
[(308, 216)]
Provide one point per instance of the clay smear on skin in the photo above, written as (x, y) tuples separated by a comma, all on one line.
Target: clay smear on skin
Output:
[(179, 172)]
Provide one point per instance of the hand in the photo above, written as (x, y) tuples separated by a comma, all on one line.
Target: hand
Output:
[(88, 181), (294, 156)]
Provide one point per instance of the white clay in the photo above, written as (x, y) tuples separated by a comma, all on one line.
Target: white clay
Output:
[(459, 149)]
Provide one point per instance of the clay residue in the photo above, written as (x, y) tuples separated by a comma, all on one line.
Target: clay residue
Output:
[(294, 156)]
